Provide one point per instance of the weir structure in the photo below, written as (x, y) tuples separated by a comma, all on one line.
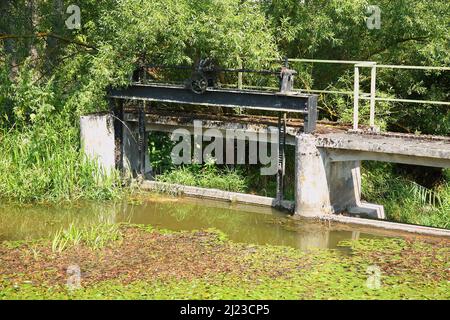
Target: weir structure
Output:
[(327, 158)]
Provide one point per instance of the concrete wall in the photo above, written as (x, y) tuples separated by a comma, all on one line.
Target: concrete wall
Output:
[(328, 167), (98, 142), (97, 139), (206, 193)]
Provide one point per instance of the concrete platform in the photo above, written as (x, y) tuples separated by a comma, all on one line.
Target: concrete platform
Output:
[(387, 226), (340, 142), (216, 194)]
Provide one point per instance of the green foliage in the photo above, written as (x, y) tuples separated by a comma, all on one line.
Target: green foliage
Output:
[(163, 32), (412, 32), (404, 200), (33, 104), (42, 160), (160, 148), (46, 84), (44, 163), (182, 31), (338, 286), (338, 28), (206, 176)]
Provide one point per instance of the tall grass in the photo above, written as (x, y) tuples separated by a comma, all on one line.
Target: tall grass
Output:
[(407, 201), (206, 176), (44, 163), (40, 155)]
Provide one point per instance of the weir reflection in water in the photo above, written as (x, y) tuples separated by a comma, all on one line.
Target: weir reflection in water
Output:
[(241, 223)]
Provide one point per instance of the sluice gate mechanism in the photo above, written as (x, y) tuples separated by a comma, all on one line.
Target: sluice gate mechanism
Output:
[(202, 88)]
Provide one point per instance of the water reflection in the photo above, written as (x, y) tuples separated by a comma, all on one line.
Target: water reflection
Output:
[(249, 224), (40, 221)]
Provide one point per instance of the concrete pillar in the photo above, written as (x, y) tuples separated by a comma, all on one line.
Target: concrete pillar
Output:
[(324, 186), (312, 194), (97, 139)]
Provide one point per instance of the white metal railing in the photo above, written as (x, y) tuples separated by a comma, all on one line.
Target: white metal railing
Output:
[(357, 95)]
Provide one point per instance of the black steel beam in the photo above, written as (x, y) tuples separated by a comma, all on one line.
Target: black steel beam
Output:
[(305, 104), (294, 102)]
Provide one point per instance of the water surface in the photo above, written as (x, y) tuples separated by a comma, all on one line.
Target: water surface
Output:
[(241, 223)]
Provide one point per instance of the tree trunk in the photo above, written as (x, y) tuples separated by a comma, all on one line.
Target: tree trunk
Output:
[(34, 21), (52, 49), (8, 44)]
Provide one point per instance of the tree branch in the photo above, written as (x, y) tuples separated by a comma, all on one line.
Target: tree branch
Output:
[(47, 35), (400, 41)]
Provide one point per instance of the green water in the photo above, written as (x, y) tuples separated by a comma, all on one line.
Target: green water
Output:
[(248, 224)]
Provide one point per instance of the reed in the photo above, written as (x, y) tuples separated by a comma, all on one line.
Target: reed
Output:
[(45, 164), (407, 201), (206, 176), (96, 236)]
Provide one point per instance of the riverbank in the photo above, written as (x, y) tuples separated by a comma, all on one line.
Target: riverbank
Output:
[(147, 263)]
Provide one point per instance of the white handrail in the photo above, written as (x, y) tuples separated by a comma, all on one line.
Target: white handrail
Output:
[(356, 99), (357, 95), (387, 66), (362, 95), (373, 85), (443, 103)]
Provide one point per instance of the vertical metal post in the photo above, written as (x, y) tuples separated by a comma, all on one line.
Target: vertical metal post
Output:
[(356, 99), (240, 74), (373, 83), (284, 146), (141, 138), (116, 109), (240, 81), (281, 157), (310, 119)]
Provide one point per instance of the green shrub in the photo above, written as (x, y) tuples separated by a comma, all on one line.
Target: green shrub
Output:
[(45, 163), (404, 200), (206, 176)]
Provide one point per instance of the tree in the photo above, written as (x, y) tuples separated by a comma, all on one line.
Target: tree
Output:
[(412, 32)]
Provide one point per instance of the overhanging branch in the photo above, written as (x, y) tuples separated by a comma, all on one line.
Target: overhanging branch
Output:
[(47, 35)]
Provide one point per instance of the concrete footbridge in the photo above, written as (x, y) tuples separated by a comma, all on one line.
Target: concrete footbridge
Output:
[(327, 161)]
